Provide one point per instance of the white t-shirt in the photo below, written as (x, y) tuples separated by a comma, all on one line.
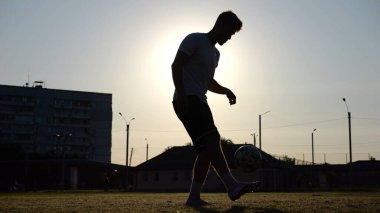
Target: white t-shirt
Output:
[(200, 69)]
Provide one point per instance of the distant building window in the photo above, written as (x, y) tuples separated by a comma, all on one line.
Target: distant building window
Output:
[(23, 137), (23, 118)]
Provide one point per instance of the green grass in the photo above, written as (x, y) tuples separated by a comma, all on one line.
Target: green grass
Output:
[(97, 201)]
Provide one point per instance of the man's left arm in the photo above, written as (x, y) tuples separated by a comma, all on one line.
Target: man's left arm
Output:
[(215, 87)]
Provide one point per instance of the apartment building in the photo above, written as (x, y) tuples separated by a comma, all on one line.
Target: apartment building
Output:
[(52, 123)]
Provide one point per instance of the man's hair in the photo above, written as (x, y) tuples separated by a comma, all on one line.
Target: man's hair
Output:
[(229, 18)]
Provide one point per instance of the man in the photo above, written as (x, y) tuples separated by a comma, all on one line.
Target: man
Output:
[(193, 75)]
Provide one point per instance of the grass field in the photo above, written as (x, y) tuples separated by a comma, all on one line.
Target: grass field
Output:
[(97, 201)]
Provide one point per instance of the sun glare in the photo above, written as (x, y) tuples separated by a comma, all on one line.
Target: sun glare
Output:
[(163, 54), (229, 65), (161, 59)]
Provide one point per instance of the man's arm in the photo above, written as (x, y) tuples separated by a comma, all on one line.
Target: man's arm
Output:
[(180, 60), (177, 70), (215, 87)]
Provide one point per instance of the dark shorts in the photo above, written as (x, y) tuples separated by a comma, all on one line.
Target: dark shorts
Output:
[(198, 121)]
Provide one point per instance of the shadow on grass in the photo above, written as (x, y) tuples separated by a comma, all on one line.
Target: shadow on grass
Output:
[(238, 209)]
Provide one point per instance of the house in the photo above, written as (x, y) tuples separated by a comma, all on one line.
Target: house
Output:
[(172, 171), (360, 174)]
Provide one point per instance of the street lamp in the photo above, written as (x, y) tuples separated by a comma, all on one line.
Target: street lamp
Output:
[(147, 148), (349, 129), (312, 145), (260, 128), (127, 148), (254, 138)]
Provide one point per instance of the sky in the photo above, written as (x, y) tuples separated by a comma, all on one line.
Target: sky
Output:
[(294, 58)]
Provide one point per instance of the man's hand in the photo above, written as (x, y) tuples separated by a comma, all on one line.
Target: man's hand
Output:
[(231, 97), (214, 86)]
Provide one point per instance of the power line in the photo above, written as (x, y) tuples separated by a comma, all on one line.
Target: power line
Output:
[(159, 131), (250, 129), (151, 130), (320, 145), (305, 123), (237, 130), (363, 118)]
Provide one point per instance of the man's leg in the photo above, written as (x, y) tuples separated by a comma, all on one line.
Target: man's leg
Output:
[(215, 153), (201, 167)]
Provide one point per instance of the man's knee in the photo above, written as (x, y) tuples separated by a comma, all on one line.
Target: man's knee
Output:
[(209, 142), (213, 139)]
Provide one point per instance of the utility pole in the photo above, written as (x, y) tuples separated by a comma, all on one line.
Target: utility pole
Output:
[(147, 149), (260, 135), (260, 132), (254, 139), (303, 158), (349, 135), (127, 150), (312, 145), (349, 129), (130, 158)]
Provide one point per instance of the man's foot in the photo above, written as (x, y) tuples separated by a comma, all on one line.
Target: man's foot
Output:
[(242, 188), (196, 202)]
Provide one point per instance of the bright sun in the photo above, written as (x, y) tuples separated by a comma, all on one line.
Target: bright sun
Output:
[(161, 59), (163, 54)]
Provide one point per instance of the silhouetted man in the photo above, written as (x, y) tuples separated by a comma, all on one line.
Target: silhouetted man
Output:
[(193, 75)]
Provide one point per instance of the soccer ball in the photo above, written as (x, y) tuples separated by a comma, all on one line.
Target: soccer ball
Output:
[(248, 158)]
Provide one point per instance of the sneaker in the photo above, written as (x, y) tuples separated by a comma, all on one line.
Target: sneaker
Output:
[(196, 202), (242, 188)]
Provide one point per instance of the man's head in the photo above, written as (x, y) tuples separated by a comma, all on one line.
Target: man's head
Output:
[(226, 25)]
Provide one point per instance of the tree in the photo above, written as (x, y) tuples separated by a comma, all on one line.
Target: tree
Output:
[(226, 141), (222, 140), (288, 160), (167, 148)]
